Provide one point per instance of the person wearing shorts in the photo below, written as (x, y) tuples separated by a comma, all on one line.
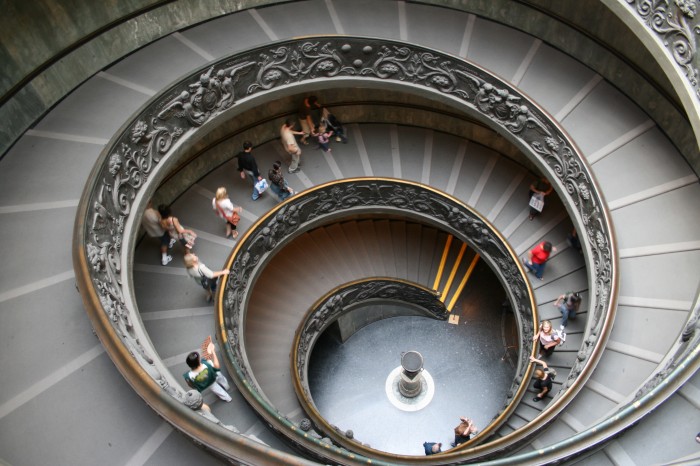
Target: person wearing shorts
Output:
[(289, 142)]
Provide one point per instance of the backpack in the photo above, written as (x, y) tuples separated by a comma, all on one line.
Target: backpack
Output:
[(561, 335), (572, 296), (203, 379), (330, 120)]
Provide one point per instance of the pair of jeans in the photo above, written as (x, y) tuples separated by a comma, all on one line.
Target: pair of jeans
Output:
[(282, 194), (253, 180), (537, 269), (566, 314)]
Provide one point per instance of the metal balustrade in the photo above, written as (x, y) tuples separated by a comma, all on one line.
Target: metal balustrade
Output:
[(139, 157)]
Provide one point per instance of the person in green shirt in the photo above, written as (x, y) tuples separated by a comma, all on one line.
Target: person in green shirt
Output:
[(205, 373)]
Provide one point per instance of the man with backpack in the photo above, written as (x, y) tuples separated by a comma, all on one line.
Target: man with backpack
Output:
[(568, 305), (205, 373)]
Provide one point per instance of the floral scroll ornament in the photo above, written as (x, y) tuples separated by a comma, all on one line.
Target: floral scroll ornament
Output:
[(211, 94), (675, 24), (285, 65), (336, 305), (351, 197), (424, 68), (196, 100)]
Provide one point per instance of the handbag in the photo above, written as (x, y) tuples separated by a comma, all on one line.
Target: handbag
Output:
[(537, 202), (206, 282), (234, 218), (261, 186), (561, 335)]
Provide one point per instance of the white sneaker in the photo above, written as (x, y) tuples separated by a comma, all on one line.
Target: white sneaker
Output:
[(166, 260), (561, 327)]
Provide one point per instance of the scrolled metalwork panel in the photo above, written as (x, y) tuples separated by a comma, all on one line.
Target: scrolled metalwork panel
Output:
[(349, 197), (675, 24), (139, 157), (363, 196), (336, 304), (330, 308)]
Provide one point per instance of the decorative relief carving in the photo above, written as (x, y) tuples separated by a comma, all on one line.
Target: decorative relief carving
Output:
[(655, 380), (690, 328), (352, 197), (675, 25), (689, 343), (194, 400), (335, 305), (196, 100)]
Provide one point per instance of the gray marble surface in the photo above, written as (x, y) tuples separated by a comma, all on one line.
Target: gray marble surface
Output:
[(464, 360)]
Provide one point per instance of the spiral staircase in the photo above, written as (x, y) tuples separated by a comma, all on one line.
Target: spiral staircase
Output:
[(66, 404)]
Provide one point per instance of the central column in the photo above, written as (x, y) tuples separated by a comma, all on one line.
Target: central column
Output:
[(411, 379)]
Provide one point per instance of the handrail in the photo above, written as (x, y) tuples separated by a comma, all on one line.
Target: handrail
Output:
[(330, 202), (340, 301), (138, 157), (661, 385), (188, 20)]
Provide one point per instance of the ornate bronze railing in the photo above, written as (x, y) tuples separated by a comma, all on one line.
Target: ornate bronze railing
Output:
[(130, 168), (366, 197), (341, 301), (344, 299)]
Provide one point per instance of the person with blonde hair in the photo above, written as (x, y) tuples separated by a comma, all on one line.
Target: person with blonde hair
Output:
[(202, 274), (549, 339), (227, 211), (323, 136)]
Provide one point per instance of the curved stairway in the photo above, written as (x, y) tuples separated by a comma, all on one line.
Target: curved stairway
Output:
[(85, 413)]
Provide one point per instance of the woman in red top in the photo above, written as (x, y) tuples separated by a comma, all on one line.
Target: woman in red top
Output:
[(538, 257)]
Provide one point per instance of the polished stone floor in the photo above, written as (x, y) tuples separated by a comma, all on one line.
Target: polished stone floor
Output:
[(464, 360)]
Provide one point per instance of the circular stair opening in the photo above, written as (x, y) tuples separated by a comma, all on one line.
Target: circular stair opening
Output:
[(466, 359)]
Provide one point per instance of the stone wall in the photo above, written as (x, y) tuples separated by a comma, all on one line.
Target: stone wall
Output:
[(48, 48)]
